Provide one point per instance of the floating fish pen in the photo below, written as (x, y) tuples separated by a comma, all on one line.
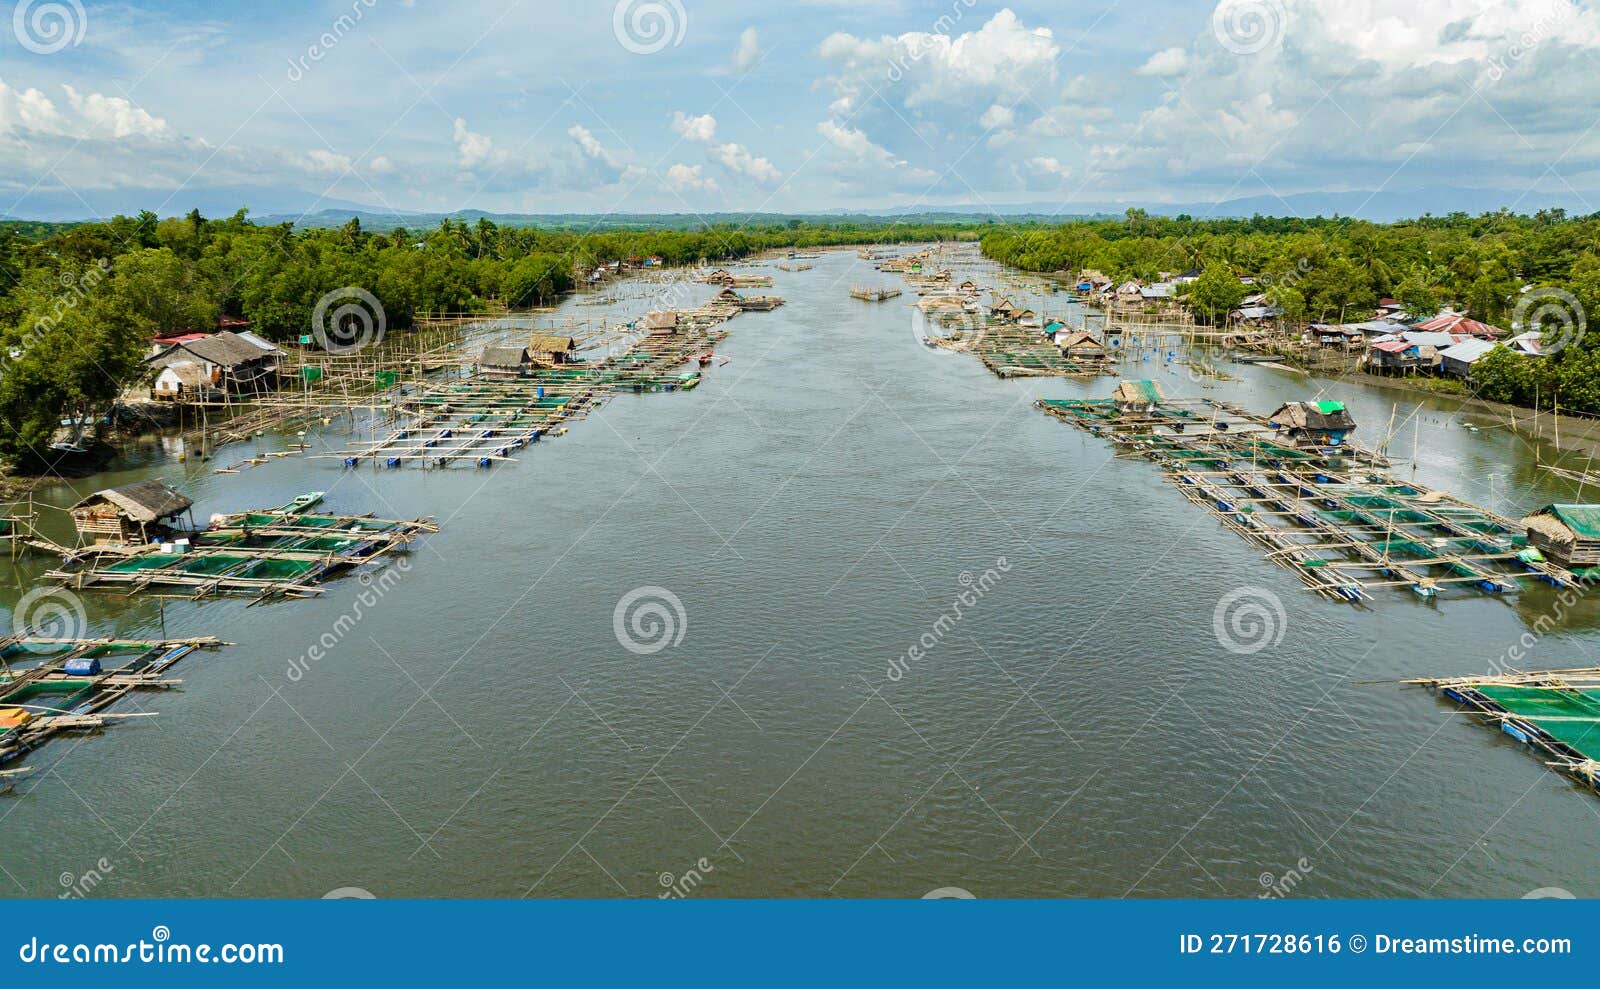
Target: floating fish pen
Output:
[(868, 293), (725, 278), (1327, 512), (1556, 712), (747, 303), (1010, 350), (266, 554), (795, 267), (51, 686), (487, 421)]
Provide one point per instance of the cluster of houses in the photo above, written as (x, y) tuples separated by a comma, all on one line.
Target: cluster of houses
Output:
[(198, 367), (1135, 294), (1448, 344)]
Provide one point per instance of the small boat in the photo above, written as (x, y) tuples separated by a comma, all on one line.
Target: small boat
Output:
[(706, 358), (301, 504)]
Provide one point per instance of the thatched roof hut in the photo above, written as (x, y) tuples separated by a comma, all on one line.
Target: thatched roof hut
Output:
[(134, 512), (661, 322), (1077, 343), (1140, 395), (546, 349), (504, 360), (1567, 534)]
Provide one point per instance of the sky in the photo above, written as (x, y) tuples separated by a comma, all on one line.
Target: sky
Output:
[(593, 106)]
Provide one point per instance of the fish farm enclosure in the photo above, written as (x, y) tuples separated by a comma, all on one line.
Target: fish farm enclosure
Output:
[(788, 570)]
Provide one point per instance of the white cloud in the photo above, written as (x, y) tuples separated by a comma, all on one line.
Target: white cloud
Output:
[(327, 162), (472, 149), (997, 116), (689, 178), (737, 159), (83, 115), (1166, 62), (749, 52), (1048, 166), (854, 143), (380, 165), (702, 128)]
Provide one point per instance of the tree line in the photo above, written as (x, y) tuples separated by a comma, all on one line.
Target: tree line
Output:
[(79, 303), (1337, 269)]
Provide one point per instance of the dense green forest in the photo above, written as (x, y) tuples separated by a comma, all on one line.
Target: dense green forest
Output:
[(79, 303), (1335, 270)]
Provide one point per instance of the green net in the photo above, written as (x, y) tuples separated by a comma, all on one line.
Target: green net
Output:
[(1573, 716)]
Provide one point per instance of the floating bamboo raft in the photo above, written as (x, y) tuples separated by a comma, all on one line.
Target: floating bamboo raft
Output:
[(51, 686), (1014, 351), (267, 554), (1330, 514), (486, 421), (1556, 712), (867, 293)]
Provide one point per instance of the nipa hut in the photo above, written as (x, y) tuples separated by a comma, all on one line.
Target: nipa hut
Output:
[(133, 513), (549, 350), (505, 361), (1314, 424), (1569, 535), (662, 323), (1141, 395), (1078, 345)]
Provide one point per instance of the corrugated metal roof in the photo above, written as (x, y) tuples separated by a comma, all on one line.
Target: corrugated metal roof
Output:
[(1393, 346), (1467, 351)]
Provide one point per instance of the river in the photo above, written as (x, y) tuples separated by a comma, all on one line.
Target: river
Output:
[(800, 521)]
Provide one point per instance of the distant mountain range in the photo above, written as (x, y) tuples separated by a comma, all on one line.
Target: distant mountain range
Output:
[(269, 204)]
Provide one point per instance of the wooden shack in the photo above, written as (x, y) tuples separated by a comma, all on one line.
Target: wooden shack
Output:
[(1568, 535), (547, 351), (1313, 424), (132, 514), (505, 360), (663, 323), (1141, 395), (1080, 346), (1004, 311)]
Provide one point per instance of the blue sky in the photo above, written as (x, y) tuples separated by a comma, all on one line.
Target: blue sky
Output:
[(697, 105)]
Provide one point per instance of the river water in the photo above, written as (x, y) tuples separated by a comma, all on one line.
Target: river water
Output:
[(801, 520)]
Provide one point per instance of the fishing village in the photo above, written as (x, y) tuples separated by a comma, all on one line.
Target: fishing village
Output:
[(1299, 481)]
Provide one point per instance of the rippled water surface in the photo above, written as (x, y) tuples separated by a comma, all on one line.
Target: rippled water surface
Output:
[(816, 506)]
